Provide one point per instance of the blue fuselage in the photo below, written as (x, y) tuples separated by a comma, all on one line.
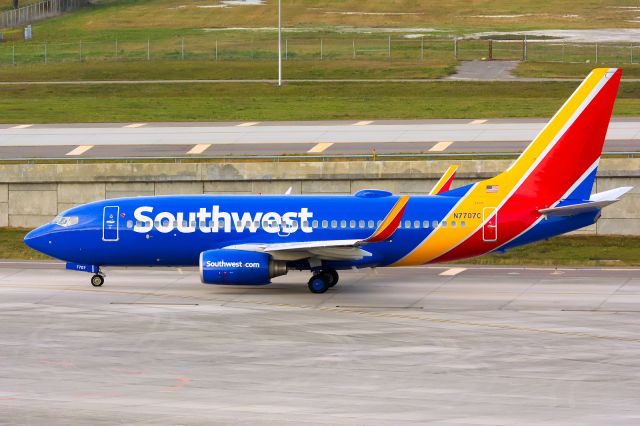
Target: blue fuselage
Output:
[(174, 230)]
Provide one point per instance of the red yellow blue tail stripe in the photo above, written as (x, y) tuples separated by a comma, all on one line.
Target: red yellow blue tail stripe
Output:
[(554, 161)]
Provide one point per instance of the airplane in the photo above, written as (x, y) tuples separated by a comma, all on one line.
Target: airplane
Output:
[(250, 239)]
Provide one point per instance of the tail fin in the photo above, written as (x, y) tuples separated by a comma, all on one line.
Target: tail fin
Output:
[(559, 164), (565, 154)]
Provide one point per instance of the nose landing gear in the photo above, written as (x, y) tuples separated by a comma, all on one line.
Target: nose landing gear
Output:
[(323, 280)]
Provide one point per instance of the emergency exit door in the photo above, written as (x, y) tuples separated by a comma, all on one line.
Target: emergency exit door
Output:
[(110, 219), (490, 227)]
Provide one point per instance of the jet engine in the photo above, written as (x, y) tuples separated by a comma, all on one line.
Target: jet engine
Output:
[(226, 266)]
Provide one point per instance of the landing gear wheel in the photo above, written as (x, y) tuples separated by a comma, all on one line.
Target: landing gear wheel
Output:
[(333, 276), (319, 283), (97, 280)]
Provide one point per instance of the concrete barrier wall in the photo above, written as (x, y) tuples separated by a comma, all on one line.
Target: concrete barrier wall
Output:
[(32, 194)]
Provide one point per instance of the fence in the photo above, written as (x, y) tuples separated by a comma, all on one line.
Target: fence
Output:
[(242, 46), (37, 11)]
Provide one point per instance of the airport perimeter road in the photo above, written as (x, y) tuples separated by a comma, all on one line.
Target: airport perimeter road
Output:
[(123, 140), (444, 345)]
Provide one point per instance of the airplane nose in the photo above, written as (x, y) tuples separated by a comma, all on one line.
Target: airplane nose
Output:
[(39, 239)]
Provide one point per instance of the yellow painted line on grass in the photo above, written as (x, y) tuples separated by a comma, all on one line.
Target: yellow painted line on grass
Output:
[(135, 125), (478, 122), (248, 124), (362, 123), (79, 150), (440, 146), (321, 147), (21, 126), (199, 149)]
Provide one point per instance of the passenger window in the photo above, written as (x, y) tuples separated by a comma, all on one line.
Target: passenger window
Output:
[(314, 224), (129, 224), (361, 224), (407, 224), (416, 224), (463, 224), (305, 224), (325, 224), (371, 224), (352, 224), (425, 224), (334, 224), (453, 223), (343, 224), (379, 222), (444, 223), (435, 223)]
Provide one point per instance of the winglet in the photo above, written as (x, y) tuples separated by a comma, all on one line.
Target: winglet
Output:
[(390, 223), (445, 181)]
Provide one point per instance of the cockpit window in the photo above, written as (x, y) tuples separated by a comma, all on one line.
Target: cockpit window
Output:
[(66, 220)]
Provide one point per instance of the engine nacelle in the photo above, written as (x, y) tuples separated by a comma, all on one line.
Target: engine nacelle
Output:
[(226, 266)]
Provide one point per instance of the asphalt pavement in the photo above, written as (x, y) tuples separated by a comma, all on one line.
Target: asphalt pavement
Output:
[(127, 140)]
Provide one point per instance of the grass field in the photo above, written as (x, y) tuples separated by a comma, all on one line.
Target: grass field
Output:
[(561, 251), (453, 15), (203, 70), (571, 251), (300, 101)]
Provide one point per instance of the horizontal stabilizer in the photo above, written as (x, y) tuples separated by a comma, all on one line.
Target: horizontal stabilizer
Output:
[(596, 202)]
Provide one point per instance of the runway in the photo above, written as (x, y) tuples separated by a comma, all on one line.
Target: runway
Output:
[(437, 345), (133, 140)]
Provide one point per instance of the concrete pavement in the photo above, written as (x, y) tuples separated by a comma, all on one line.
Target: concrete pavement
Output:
[(483, 346)]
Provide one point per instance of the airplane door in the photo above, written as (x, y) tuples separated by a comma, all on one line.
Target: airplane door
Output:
[(110, 219), (490, 228)]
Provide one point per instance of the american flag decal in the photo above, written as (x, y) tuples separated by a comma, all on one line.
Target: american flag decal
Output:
[(492, 189)]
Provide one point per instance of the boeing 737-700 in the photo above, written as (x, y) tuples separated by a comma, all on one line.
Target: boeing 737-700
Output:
[(250, 239)]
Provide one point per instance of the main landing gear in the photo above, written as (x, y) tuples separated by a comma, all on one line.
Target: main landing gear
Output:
[(323, 280), (97, 280)]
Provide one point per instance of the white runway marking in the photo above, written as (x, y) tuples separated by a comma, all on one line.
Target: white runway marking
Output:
[(321, 147), (452, 272), (248, 124), (478, 122), (135, 125), (362, 123), (21, 126), (199, 149), (79, 150), (440, 146)]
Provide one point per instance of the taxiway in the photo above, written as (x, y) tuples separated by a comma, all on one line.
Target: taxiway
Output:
[(438, 345)]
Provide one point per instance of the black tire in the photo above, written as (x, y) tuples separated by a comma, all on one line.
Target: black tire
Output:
[(319, 283), (333, 276), (97, 280)]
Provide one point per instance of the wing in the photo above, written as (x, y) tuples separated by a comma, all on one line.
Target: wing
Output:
[(332, 249), (326, 250)]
